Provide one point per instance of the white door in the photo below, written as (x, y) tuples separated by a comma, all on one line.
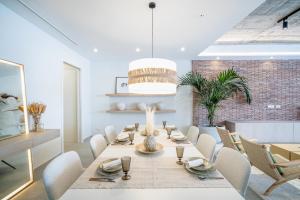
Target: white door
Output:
[(71, 91)]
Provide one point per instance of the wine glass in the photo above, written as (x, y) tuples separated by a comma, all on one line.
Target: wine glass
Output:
[(125, 160), (179, 152), (136, 126), (164, 124), (131, 137), (169, 131)]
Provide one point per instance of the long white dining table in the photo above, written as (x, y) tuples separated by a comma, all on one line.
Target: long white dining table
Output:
[(153, 177)]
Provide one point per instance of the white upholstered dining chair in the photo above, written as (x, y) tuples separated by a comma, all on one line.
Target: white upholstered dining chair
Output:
[(235, 168), (61, 173), (110, 133), (206, 145), (193, 134), (98, 145)]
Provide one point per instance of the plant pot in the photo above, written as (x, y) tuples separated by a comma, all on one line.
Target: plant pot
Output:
[(211, 130), (150, 143)]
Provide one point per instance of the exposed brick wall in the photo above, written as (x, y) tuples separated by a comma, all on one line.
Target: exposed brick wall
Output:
[(275, 82)]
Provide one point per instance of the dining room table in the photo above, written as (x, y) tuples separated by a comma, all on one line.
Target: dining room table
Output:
[(154, 176)]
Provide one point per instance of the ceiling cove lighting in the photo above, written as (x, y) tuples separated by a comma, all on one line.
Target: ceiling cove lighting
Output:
[(152, 75), (223, 54)]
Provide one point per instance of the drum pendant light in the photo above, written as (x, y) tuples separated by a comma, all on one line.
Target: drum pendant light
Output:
[(152, 75)]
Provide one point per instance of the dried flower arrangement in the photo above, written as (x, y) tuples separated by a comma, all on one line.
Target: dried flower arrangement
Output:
[(36, 110)]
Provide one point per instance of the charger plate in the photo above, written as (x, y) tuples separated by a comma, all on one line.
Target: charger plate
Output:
[(199, 169), (141, 148)]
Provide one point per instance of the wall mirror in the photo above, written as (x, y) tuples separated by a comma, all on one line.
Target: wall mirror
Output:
[(15, 168), (12, 118)]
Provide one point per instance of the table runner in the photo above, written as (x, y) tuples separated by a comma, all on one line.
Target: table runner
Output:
[(150, 173)]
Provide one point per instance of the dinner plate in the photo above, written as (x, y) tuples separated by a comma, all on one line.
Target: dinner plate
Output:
[(110, 170), (197, 170), (141, 148)]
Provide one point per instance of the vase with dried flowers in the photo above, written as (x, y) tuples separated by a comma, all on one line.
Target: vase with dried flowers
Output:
[(149, 142), (36, 110)]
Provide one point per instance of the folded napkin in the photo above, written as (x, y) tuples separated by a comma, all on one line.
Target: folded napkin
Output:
[(122, 136), (194, 163), (171, 126), (111, 164), (126, 129), (178, 136)]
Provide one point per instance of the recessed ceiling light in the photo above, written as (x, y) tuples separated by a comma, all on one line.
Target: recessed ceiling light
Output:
[(182, 49), (271, 57), (218, 58), (95, 50), (137, 49)]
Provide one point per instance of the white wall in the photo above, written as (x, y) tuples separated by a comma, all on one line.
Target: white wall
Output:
[(43, 57), (103, 81)]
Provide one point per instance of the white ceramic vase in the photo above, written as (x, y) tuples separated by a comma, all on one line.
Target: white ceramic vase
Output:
[(141, 106), (150, 143), (121, 106)]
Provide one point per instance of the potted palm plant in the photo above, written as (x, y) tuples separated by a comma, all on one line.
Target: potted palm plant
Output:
[(211, 92)]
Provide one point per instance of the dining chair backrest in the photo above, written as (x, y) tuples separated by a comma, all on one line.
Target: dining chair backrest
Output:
[(98, 145), (260, 157), (110, 133), (61, 173), (206, 145), (226, 138), (193, 134), (235, 168)]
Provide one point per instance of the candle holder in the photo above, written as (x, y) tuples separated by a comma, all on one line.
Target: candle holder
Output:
[(179, 152), (126, 166)]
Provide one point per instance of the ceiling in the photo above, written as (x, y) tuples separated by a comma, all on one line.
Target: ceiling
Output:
[(261, 25), (117, 27)]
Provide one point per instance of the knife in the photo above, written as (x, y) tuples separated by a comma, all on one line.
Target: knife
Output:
[(102, 179)]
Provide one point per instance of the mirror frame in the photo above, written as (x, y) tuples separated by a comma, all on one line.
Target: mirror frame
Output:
[(22, 76)]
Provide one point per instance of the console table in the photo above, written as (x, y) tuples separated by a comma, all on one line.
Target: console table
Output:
[(20, 143)]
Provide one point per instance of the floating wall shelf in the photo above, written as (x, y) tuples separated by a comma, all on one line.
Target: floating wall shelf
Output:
[(139, 111), (137, 95)]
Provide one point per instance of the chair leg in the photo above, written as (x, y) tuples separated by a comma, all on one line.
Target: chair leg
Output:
[(274, 186)]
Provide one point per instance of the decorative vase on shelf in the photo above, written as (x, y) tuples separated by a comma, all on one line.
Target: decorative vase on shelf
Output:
[(149, 142), (141, 106), (121, 106)]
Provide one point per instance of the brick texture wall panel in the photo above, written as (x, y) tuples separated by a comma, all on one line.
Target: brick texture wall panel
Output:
[(275, 82)]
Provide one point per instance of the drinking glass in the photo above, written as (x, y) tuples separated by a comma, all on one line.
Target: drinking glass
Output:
[(164, 124), (131, 137), (136, 126), (169, 131), (179, 152), (126, 166)]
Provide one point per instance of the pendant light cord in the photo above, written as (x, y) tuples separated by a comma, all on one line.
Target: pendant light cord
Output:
[(152, 32)]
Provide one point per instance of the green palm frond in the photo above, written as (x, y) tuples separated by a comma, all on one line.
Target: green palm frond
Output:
[(212, 92)]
